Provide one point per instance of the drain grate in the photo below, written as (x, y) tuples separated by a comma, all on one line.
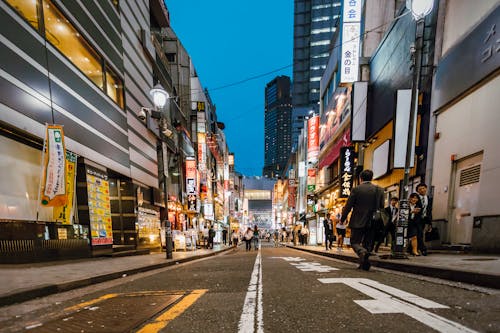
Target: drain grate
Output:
[(121, 313), (479, 259)]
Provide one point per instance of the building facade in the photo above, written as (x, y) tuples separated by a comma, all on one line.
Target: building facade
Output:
[(464, 164), (89, 67), (277, 126)]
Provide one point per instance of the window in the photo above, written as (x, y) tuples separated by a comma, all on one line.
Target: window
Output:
[(61, 33), (26, 9), (114, 87)]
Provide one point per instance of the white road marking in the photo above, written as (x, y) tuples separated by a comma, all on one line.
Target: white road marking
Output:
[(253, 302), (289, 258), (314, 267), (384, 302)]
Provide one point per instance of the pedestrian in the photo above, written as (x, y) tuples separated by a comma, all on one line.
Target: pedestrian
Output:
[(255, 237), (276, 237), (364, 200), (284, 235), (235, 238), (414, 223), (211, 236), (328, 226), (340, 227), (248, 239), (305, 234), (390, 228), (425, 203), (205, 237), (224, 236)]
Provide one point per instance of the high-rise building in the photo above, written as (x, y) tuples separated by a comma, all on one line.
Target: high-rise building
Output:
[(277, 126), (314, 24)]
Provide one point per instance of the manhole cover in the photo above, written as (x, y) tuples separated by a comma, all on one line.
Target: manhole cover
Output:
[(118, 314), (479, 259)]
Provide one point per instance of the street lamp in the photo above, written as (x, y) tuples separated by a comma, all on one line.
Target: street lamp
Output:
[(419, 9), (159, 95)]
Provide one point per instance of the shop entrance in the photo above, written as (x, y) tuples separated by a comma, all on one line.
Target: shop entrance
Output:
[(465, 198)]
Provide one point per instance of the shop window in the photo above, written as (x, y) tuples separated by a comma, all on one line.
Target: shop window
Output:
[(27, 9), (61, 33)]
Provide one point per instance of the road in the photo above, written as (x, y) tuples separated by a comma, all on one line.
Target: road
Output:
[(270, 290)]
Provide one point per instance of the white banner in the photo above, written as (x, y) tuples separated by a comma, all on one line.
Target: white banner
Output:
[(350, 52)]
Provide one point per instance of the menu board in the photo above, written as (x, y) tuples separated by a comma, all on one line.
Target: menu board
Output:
[(99, 207)]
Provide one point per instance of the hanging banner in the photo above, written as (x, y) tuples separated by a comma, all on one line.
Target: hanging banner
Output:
[(64, 214), (313, 139), (190, 176), (54, 168)]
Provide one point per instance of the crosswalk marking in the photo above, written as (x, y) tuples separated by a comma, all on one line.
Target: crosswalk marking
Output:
[(314, 267)]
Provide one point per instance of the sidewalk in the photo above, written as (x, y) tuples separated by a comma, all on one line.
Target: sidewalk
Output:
[(19, 283), (480, 270)]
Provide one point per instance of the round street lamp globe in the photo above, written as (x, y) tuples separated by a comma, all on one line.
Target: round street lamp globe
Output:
[(159, 95), (419, 8)]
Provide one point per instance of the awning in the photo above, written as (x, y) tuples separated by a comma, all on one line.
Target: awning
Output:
[(334, 151)]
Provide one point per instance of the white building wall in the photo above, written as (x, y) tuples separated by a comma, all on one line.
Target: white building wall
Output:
[(461, 17), (467, 127)]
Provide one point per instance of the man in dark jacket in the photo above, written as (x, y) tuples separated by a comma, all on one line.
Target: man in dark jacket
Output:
[(363, 201), (328, 226), (425, 203)]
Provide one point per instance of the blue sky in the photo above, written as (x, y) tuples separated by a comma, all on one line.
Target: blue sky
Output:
[(230, 41)]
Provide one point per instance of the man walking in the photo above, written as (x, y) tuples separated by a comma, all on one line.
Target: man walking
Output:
[(328, 225), (363, 202)]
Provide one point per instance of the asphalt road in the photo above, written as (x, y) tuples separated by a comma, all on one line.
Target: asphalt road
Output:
[(271, 290)]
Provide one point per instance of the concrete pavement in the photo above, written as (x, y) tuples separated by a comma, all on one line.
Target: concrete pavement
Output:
[(23, 282), (481, 270)]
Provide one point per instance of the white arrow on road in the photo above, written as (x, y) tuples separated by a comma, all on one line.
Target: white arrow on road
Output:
[(384, 301)]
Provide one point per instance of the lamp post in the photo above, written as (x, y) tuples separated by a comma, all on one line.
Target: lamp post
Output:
[(160, 97), (419, 9)]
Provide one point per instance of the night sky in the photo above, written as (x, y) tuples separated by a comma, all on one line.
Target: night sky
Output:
[(232, 41)]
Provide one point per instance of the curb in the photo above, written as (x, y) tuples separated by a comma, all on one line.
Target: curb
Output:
[(475, 278), (46, 290)]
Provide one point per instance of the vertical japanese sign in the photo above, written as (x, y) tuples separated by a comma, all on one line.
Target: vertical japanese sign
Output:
[(311, 179), (53, 191), (292, 193), (351, 30), (64, 214), (191, 183), (313, 139), (346, 171), (99, 207)]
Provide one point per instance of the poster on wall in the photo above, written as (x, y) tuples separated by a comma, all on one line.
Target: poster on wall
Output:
[(99, 207), (64, 214), (53, 187)]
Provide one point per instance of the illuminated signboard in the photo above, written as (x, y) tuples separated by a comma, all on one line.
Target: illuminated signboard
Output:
[(313, 139), (346, 171)]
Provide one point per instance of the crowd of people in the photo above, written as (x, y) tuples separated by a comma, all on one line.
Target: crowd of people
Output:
[(366, 234)]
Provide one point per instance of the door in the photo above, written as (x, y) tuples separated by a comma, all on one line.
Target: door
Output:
[(465, 199)]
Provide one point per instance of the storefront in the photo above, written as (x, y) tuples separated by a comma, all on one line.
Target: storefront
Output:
[(30, 231)]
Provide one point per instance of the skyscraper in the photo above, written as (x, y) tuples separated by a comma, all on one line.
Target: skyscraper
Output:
[(314, 24), (277, 126)]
